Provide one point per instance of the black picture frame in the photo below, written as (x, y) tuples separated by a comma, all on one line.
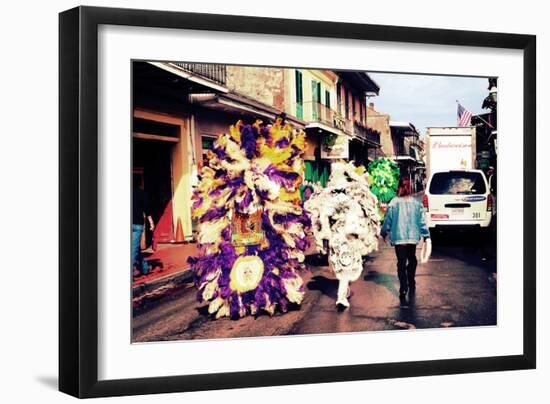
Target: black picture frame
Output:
[(78, 200)]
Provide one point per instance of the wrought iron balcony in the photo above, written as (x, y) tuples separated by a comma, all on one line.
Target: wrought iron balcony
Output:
[(373, 136), (366, 134), (316, 112), (213, 72), (311, 111), (399, 148)]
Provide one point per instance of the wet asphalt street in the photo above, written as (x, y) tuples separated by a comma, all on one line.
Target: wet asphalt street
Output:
[(456, 288)]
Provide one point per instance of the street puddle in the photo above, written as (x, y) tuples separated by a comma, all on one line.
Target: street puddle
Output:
[(402, 324)]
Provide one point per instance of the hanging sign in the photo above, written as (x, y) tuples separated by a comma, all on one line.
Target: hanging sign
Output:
[(339, 150)]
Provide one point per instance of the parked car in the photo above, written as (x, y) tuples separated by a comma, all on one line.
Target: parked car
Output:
[(458, 199)]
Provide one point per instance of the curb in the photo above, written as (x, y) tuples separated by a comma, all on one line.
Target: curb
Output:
[(160, 286), (151, 288)]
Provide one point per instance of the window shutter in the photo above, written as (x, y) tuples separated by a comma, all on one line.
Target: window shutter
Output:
[(315, 98), (319, 92), (299, 95)]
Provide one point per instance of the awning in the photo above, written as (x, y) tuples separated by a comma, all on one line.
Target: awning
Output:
[(241, 105), (169, 67), (321, 127), (360, 81), (403, 129)]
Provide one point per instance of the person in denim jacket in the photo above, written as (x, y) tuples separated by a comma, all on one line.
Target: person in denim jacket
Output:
[(405, 223)]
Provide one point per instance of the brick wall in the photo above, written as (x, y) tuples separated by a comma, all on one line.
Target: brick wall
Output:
[(381, 122)]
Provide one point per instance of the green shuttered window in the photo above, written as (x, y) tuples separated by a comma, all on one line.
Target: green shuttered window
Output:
[(299, 96)]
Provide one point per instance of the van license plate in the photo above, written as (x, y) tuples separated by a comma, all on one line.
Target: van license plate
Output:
[(457, 211)]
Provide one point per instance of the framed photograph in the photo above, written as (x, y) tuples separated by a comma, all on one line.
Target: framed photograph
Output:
[(249, 201)]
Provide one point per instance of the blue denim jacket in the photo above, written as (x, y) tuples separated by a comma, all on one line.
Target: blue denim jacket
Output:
[(405, 221)]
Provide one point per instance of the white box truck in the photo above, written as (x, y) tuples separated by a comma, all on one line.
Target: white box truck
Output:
[(457, 194), (450, 148)]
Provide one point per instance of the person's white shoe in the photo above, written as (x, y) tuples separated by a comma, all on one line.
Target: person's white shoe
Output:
[(343, 302)]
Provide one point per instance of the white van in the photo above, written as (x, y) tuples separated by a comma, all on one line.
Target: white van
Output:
[(458, 199)]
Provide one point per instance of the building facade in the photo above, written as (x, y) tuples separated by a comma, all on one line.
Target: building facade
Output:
[(404, 137), (401, 142), (380, 122), (179, 109), (487, 129), (353, 89)]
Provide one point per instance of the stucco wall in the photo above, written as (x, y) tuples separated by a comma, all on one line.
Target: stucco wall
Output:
[(264, 84)]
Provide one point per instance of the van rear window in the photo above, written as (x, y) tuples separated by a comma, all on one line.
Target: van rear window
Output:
[(457, 182)]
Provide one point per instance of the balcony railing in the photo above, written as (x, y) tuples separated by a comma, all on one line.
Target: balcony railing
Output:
[(399, 148), (316, 112), (402, 151), (345, 125), (215, 73), (366, 134), (373, 136)]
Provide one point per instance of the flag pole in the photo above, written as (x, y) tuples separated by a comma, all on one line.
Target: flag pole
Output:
[(491, 126)]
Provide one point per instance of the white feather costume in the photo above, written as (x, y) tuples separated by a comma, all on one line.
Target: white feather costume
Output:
[(345, 214)]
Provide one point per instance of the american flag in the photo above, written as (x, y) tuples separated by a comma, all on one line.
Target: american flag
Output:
[(463, 116)]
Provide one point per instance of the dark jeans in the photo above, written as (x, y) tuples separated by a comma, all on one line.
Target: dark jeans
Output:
[(137, 256), (406, 266)]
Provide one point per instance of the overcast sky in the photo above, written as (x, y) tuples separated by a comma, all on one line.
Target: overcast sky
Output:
[(427, 100)]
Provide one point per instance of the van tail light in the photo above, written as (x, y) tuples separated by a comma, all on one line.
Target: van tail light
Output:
[(426, 203), (489, 203)]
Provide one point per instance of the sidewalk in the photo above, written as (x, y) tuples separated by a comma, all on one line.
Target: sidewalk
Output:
[(168, 268)]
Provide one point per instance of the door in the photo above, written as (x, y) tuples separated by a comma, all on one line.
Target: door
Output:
[(152, 158)]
